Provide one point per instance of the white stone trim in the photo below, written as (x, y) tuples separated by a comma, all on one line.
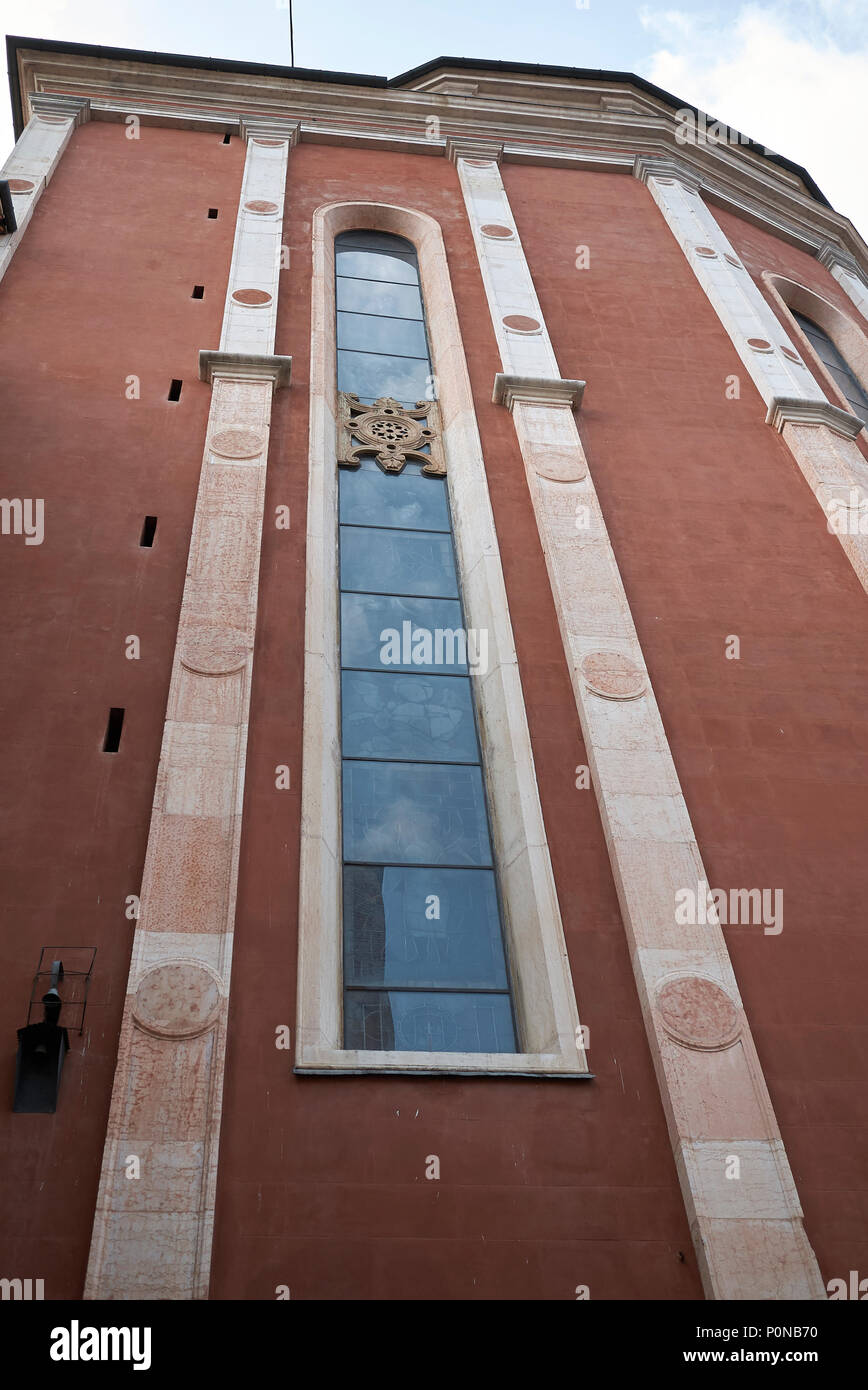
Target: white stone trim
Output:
[(35, 157), (542, 985), (464, 147), (846, 271), (845, 331), (792, 408), (744, 312), (244, 366), (152, 1237), (539, 390), (820, 440), (256, 252), (749, 1237), (509, 290)]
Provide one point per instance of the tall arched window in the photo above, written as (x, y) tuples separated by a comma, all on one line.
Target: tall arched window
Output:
[(430, 932), (837, 367), (424, 961)]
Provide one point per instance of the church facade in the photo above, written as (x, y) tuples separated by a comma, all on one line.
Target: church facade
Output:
[(436, 653)]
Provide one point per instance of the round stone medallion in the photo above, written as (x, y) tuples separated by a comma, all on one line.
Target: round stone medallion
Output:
[(707, 252), (759, 344), (788, 352), (253, 299), (733, 260), (613, 675), (21, 186), (211, 650), (272, 144), (521, 323), (479, 163), (54, 120), (260, 205), (496, 231), (561, 466), (177, 1000), (698, 1012), (238, 443)]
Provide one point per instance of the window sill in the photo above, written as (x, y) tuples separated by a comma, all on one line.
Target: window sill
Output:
[(319, 1061)]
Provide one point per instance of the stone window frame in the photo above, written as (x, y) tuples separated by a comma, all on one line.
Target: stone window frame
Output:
[(544, 997), (787, 295)]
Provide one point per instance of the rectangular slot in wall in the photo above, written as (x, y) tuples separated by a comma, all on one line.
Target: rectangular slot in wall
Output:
[(112, 741), (212, 213), (149, 530), (226, 139), (198, 292), (175, 390)]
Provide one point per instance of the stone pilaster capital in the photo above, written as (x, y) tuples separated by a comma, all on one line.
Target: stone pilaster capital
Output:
[(269, 128), (665, 167), (244, 366), (54, 104), (463, 147), (536, 390), (785, 410), (831, 255)]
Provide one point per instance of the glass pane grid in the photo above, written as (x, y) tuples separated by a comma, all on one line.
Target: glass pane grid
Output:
[(424, 960)]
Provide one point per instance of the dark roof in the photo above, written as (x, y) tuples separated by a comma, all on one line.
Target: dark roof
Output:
[(354, 79)]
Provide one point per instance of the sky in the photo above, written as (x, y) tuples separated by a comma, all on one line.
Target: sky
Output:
[(792, 74)]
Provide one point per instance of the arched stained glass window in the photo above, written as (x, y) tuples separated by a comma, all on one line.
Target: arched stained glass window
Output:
[(424, 961), (836, 365)]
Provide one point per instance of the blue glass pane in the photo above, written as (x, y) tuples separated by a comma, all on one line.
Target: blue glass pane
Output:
[(414, 813), (370, 497), (398, 562), (427, 718), (436, 927), (372, 374), (381, 633), (417, 1022), (375, 241), (378, 297), (374, 333), (373, 265)]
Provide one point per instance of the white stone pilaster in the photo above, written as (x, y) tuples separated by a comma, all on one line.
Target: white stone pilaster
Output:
[(35, 158), (749, 1237), (152, 1232)]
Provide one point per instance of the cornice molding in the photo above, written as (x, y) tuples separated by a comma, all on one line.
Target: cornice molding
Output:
[(536, 390), (241, 366), (604, 121), (784, 410), (321, 134)]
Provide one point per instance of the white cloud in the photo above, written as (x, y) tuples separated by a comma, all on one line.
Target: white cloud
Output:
[(793, 76)]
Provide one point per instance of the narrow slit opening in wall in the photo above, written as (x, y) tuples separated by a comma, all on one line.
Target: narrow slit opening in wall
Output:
[(175, 390), (112, 741), (198, 292), (149, 530), (226, 139), (212, 213)]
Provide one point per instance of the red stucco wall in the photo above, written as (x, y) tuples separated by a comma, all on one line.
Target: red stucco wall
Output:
[(98, 289), (717, 533), (544, 1185)]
